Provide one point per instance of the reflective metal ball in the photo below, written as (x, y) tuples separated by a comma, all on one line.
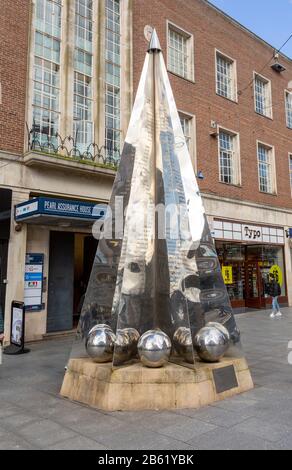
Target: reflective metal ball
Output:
[(220, 327), (99, 327), (122, 347), (154, 348), (183, 344), (100, 344), (211, 344)]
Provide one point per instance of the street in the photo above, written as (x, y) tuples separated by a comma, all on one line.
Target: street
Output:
[(33, 416)]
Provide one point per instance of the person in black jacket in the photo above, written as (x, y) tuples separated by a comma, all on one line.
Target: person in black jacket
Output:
[(274, 290)]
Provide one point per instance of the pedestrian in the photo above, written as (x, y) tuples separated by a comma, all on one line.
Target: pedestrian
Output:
[(274, 290)]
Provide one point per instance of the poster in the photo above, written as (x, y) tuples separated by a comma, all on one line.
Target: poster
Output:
[(33, 282), (278, 273), (17, 326), (227, 275)]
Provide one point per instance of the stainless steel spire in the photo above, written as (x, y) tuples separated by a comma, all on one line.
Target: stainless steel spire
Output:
[(161, 271), (154, 45)]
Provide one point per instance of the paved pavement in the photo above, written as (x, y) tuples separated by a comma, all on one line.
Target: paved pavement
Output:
[(33, 416)]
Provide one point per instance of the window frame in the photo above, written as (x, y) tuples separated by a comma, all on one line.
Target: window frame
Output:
[(286, 93), (190, 46), (269, 98), (290, 169), (236, 156), (234, 98), (271, 148), (193, 135)]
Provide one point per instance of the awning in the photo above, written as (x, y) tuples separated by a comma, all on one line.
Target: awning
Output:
[(61, 212)]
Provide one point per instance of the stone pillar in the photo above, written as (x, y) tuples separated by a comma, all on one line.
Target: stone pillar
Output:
[(16, 262)]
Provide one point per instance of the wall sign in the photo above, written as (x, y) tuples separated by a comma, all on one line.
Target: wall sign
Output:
[(33, 287), (59, 208), (249, 233)]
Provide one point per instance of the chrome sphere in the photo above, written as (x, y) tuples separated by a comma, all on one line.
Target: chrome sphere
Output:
[(99, 327), (134, 336), (220, 327), (154, 348), (125, 345), (100, 345), (183, 344), (211, 344)]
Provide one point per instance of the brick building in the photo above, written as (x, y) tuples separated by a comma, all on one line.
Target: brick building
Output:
[(73, 68)]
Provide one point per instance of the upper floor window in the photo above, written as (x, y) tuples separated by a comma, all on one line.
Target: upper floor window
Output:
[(288, 99), (263, 96), (226, 77), (84, 24), (229, 157), (266, 169), (186, 123), (48, 17), (180, 52), (290, 169)]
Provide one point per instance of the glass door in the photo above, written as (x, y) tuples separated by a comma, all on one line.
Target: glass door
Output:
[(254, 288)]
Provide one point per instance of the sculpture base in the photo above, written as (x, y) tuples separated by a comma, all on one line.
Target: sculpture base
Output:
[(139, 388)]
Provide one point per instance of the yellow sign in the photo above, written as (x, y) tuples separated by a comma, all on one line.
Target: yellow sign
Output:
[(227, 274), (277, 271)]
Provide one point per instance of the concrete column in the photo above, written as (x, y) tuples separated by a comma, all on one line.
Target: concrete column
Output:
[(16, 262)]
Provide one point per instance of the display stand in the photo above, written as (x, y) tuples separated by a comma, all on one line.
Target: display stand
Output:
[(17, 330)]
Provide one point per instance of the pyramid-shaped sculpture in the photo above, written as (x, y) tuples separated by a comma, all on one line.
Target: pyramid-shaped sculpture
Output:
[(156, 266)]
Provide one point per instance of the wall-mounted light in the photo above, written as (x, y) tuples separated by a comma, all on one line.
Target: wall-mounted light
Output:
[(200, 175)]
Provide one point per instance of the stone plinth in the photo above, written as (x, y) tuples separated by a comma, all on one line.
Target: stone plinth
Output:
[(139, 388)]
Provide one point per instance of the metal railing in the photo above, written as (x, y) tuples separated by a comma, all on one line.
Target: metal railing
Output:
[(69, 147)]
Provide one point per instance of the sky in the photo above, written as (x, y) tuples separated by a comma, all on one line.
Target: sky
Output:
[(269, 19)]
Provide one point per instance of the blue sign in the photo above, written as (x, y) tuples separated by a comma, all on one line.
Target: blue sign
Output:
[(33, 285), (60, 208), (290, 232)]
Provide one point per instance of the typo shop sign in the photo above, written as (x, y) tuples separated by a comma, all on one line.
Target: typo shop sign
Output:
[(252, 233)]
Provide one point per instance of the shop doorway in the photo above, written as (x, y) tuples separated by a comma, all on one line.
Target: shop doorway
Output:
[(3, 274), (71, 260), (254, 286)]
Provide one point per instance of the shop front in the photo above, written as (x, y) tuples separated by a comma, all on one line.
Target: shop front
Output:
[(60, 250), (5, 216), (248, 254)]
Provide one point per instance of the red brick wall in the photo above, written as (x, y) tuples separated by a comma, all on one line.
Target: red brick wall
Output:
[(212, 30), (14, 28)]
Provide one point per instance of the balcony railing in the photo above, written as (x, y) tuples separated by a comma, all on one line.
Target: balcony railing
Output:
[(69, 148)]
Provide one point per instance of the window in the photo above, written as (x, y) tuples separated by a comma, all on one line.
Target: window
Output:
[(229, 164), (113, 79), (290, 169), (288, 98), (83, 124), (186, 123), (48, 17), (83, 127), (46, 84), (84, 24), (180, 52), (226, 77), (263, 96), (266, 168)]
